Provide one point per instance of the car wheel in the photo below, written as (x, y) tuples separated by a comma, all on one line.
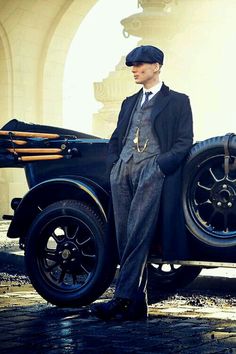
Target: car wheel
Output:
[(209, 193), (69, 258), (169, 277)]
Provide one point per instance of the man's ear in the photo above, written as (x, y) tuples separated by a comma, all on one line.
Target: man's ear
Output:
[(157, 67)]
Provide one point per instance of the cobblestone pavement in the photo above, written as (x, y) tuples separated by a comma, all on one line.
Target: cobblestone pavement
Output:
[(179, 323), (200, 319)]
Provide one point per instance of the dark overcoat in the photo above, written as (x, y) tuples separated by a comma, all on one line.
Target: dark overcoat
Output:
[(172, 123)]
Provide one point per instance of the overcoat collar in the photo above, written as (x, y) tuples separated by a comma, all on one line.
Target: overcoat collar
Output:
[(163, 98)]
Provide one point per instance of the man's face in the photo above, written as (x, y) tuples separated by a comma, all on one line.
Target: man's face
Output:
[(145, 73)]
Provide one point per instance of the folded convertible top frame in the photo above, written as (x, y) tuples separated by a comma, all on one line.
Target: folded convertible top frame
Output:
[(29, 134), (48, 153)]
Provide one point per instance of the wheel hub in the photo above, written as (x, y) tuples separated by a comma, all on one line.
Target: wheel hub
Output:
[(68, 253), (223, 195)]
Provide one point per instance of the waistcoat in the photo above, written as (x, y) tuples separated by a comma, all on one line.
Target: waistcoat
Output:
[(141, 118)]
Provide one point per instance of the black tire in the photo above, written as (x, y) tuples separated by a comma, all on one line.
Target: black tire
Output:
[(69, 258), (168, 278), (209, 193)]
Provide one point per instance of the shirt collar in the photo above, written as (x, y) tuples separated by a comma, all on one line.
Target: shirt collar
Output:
[(153, 89)]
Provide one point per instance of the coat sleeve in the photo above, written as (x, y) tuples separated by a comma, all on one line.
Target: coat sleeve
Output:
[(169, 161)]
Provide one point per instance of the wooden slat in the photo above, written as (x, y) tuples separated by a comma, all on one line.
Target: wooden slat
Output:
[(40, 157), (35, 150), (30, 134), (19, 142)]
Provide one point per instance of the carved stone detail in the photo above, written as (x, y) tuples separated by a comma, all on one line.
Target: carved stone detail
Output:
[(150, 26)]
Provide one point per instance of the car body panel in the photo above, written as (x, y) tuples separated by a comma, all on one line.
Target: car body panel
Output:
[(80, 174)]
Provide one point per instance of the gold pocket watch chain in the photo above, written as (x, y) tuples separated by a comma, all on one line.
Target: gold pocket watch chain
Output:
[(136, 141)]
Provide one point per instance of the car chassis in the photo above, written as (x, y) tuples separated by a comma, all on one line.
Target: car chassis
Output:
[(62, 220)]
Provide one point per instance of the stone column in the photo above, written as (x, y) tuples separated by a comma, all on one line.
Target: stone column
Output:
[(155, 25), (111, 91)]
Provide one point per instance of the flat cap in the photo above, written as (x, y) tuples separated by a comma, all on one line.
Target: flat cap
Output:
[(145, 54)]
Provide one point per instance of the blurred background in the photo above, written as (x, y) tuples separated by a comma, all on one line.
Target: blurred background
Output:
[(62, 63)]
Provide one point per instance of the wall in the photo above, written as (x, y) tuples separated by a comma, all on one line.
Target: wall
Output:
[(34, 39)]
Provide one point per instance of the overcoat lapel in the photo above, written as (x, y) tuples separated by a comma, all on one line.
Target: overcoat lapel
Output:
[(163, 98), (130, 105), (131, 101)]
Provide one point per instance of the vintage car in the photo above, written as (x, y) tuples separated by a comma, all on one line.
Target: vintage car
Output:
[(62, 221)]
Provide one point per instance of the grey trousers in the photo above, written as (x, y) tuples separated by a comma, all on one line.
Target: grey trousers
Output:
[(136, 191)]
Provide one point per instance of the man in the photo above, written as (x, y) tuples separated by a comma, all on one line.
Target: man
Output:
[(148, 147)]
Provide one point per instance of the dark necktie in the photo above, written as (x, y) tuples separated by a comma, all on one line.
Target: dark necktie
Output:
[(147, 94)]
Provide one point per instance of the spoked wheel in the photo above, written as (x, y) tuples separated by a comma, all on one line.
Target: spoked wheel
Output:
[(209, 194), (172, 276), (69, 259), (169, 277)]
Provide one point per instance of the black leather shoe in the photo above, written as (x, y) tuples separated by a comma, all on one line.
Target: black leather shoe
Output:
[(120, 309)]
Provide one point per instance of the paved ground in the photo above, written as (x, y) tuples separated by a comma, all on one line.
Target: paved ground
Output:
[(29, 325), (199, 319)]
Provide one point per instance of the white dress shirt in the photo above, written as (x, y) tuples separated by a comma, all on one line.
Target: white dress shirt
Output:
[(153, 89)]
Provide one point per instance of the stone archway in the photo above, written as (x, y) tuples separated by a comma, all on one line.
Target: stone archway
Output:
[(34, 40), (6, 73), (6, 105), (53, 57)]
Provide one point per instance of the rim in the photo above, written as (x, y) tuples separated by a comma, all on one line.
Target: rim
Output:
[(211, 198), (166, 270), (66, 254)]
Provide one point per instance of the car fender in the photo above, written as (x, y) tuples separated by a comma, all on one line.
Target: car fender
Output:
[(50, 191)]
